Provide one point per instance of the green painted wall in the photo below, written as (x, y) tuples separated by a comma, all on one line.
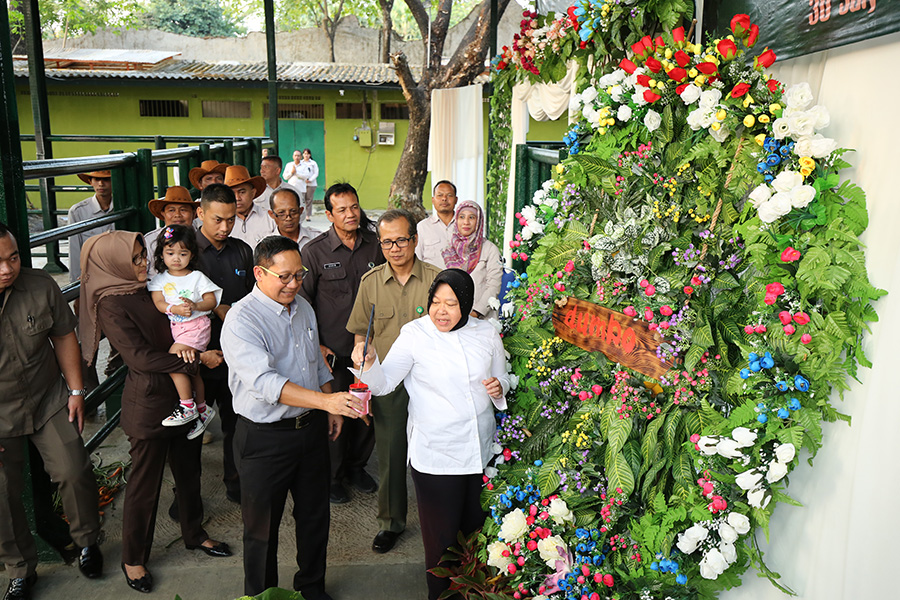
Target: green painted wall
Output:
[(548, 131)]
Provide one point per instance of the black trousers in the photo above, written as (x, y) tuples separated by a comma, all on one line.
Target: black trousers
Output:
[(351, 451), (218, 394), (272, 462), (448, 504)]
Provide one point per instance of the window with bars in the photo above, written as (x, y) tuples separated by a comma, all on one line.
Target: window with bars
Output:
[(226, 109), (164, 108), (297, 111), (353, 110), (394, 111)]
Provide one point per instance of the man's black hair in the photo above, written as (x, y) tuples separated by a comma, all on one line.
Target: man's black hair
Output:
[(216, 192), (270, 247)]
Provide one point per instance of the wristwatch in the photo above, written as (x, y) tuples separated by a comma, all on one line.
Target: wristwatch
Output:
[(76, 392)]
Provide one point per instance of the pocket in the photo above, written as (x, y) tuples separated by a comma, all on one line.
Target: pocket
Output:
[(383, 319), (36, 331), (334, 282)]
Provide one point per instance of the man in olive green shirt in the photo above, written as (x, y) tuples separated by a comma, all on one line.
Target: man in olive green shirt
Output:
[(399, 291)]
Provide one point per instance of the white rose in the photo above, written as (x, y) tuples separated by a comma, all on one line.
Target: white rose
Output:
[(575, 103), (553, 203), (728, 551), (727, 532), (785, 452), (707, 445), (780, 203), (759, 498), (780, 128), (547, 185), (588, 112), (513, 526), (527, 233), (821, 115), (690, 94), (767, 212), (729, 448), (707, 118), (496, 558), (529, 213), (688, 540), (776, 471), (652, 120), (821, 146), (637, 98), (720, 135), (594, 119), (615, 92), (760, 194), (610, 79), (710, 98), (801, 123), (513, 379), (743, 436), (624, 113), (560, 511), (552, 549), (494, 302), (589, 94), (508, 309), (802, 195), (799, 96), (496, 448), (784, 181), (713, 564), (740, 522), (490, 472), (748, 480), (803, 146), (694, 119)]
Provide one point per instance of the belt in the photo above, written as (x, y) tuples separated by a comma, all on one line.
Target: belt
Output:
[(291, 423)]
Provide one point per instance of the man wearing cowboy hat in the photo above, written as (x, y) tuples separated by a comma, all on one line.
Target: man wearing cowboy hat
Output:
[(209, 171), (176, 208), (253, 222), (97, 205)]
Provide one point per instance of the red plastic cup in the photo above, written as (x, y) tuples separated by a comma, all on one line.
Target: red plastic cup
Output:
[(361, 391)]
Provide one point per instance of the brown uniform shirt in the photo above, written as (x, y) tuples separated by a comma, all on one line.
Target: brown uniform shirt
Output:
[(395, 304), (32, 388), (330, 287)]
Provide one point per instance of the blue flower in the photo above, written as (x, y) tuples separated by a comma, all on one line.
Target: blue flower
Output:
[(762, 167), (773, 160), (761, 406), (801, 383), (524, 276), (752, 356), (520, 496), (768, 178), (515, 283), (794, 404), (782, 386), (785, 150), (755, 366), (767, 362), (745, 373), (783, 413), (581, 533), (762, 418), (654, 566), (681, 579), (538, 462), (770, 144)]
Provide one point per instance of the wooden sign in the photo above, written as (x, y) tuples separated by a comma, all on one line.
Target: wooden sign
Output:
[(623, 339)]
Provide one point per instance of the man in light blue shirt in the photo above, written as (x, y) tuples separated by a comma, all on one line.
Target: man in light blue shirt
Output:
[(271, 344)]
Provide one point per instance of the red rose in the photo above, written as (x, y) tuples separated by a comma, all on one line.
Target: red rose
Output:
[(773, 84), (501, 65), (660, 43), (727, 49), (677, 74), (682, 58), (770, 299), (638, 49), (764, 60), (740, 24), (643, 80), (681, 88), (647, 41), (785, 317), (627, 66), (740, 89), (650, 97), (678, 35), (754, 35), (608, 580), (654, 65), (789, 254), (707, 68)]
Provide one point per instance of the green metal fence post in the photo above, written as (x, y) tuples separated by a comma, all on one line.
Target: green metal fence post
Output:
[(184, 168), (144, 221), (255, 156), (228, 152), (204, 153), (119, 189), (162, 169)]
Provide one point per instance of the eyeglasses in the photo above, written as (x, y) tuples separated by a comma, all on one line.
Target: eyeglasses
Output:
[(287, 213), (288, 277), (401, 243), (139, 259)]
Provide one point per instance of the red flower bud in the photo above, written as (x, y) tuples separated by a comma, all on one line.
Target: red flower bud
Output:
[(678, 35), (740, 89), (754, 35), (682, 58), (764, 60), (707, 68), (643, 80), (681, 88), (727, 49), (654, 65), (677, 74), (647, 41), (790, 254), (740, 24), (638, 49), (627, 66), (773, 85), (651, 97)]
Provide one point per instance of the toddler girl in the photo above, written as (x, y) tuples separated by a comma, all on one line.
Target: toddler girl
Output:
[(187, 297)]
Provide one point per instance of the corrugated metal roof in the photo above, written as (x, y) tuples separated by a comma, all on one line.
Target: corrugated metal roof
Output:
[(92, 55), (321, 73)]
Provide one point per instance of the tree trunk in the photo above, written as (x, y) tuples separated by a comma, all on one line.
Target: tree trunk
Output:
[(387, 28)]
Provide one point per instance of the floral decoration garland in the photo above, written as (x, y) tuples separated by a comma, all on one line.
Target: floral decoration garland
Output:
[(701, 197)]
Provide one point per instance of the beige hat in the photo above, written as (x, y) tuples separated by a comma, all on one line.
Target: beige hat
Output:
[(86, 177), (174, 195), (236, 175), (206, 167)]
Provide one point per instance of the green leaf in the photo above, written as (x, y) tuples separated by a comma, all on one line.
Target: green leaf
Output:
[(618, 473), (619, 430), (518, 345)]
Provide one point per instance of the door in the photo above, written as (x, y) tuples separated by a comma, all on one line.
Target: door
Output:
[(297, 134)]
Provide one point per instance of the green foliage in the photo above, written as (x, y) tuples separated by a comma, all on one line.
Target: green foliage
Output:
[(70, 18), (190, 17)]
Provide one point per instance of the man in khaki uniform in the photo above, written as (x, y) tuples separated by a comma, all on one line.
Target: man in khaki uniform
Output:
[(39, 356), (399, 291)]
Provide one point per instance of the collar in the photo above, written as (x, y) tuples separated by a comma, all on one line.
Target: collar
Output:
[(95, 205), (418, 271), (275, 307), (334, 241)]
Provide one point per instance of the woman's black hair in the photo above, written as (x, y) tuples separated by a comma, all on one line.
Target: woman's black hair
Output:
[(463, 288), (171, 235)]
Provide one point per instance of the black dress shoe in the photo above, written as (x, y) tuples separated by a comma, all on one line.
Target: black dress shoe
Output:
[(384, 541), (220, 549), (90, 562), (339, 493), (362, 481), (143, 585), (20, 588)]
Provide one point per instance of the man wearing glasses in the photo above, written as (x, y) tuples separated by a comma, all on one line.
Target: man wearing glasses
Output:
[(287, 212), (337, 260), (282, 394), (399, 291)]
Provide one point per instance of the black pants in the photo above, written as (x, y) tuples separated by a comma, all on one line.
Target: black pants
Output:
[(448, 504), (274, 461), (351, 451), (218, 394)]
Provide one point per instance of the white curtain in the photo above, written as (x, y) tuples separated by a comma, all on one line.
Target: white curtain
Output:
[(841, 544), (456, 143)]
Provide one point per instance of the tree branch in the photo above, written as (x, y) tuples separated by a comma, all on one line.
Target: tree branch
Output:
[(421, 17), (468, 60), (439, 28), (404, 74)]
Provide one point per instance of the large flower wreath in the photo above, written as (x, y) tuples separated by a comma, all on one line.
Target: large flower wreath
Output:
[(699, 199)]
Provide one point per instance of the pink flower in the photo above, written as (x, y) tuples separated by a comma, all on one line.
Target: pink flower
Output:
[(608, 580), (805, 338), (785, 317), (597, 389), (790, 254), (582, 395), (718, 503), (644, 283), (514, 255), (695, 438), (652, 326), (789, 329), (650, 290), (758, 329), (775, 288), (570, 266), (688, 290), (748, 329), (770, 299), (664, 325), (559, 286), (801, 318), (648, 314), (630, 311), (695, 280), (666, 310)]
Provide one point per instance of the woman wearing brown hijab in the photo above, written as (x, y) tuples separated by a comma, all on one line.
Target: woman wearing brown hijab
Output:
[(115, 301)]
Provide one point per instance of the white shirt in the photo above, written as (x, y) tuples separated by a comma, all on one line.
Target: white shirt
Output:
[(434, 236), (297, 174), (263, 199), (305, 235), (451, 418), (191, 286), (255, 227), (89, 208)]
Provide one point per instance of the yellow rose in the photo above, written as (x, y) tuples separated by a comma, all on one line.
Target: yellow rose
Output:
[(805, 171), (760, 139), (560, 168), (749, 121), (807, 162), (716, 126), (764, 118), (692, 73), (653, 83), (721, 114), (668, 53), (774, 108), (700, 79)]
